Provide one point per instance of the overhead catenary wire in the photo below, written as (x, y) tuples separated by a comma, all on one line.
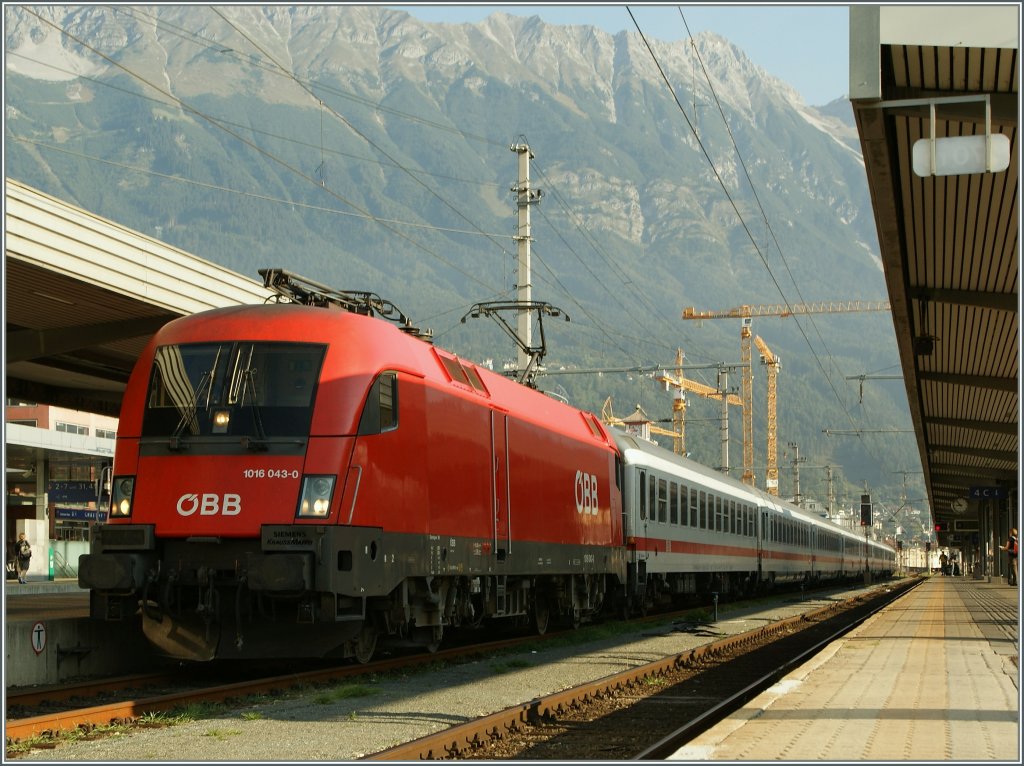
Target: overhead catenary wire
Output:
[(735, 207), (170, 99), (346, 122), (626, 281), (269, 155), (757, 199)]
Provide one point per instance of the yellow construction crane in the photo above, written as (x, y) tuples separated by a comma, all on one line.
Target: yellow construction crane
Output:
[(682, 384), (744, 314), (772, 367)]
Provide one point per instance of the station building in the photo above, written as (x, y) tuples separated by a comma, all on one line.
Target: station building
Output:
[(56, 473)]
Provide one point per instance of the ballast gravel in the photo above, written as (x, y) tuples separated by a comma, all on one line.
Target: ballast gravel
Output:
[(327, 724)]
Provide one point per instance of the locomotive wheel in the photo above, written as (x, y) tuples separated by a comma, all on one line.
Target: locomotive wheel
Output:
[(366, 643)]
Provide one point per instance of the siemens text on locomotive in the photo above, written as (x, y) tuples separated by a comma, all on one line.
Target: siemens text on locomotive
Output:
[(302, 478)]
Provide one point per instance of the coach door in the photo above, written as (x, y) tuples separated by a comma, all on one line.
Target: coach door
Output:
[(502, 512)]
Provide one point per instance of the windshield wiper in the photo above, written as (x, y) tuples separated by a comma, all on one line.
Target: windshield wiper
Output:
[(247, 380), (188, 414)]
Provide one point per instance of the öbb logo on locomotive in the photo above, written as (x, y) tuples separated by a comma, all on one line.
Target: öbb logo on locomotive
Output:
[(209, 504), (586, 493)]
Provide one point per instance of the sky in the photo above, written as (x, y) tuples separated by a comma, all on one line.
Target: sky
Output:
[(805, 45)]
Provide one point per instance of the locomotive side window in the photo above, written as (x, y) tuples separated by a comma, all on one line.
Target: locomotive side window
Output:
[(474, 378), (455, 370), (381, 411)]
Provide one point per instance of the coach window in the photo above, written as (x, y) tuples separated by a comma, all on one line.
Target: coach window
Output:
[(381, 411), (662, 500), (653, 498), (643, 494), (693, 507), (732, 517), (703, 510), (673, 501), (718, 514)]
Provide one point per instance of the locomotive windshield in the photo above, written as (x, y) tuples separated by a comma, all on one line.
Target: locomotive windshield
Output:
[(258, 390)]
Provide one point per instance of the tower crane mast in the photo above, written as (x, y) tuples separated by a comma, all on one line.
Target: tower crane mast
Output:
[(745, 314), (772, 367)]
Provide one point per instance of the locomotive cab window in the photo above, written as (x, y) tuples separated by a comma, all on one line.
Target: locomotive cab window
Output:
[(381, 411), (251, 389)]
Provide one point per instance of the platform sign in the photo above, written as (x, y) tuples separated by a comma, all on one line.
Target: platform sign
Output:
[(987, 493), (71, 492), (38, 637), (79, 514)]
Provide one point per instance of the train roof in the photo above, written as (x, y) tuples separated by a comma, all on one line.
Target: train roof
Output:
[(369, 345)]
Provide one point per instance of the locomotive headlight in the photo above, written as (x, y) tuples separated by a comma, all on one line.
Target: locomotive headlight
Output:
[(121, 497), (315, 501), (221, 418)]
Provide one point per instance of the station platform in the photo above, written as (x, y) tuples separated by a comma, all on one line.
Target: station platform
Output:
[(49, 638), (933, 677)]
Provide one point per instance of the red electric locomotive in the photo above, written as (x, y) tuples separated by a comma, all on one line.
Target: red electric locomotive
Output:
[(300, 478)]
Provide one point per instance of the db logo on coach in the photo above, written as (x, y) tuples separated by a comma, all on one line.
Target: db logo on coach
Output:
[(210, 505)]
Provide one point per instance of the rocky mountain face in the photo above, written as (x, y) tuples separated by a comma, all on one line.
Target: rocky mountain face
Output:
[(368, 150)]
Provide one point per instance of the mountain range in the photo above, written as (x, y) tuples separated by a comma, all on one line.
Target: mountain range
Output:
[(365, 149)]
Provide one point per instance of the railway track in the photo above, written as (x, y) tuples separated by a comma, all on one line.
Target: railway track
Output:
[(600, 720), (129, 710), (51, 725)]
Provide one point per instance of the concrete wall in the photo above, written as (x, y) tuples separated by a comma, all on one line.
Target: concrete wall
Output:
[(73, 649)]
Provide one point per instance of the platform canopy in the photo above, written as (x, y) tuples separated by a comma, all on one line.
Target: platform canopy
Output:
[(83, 296), (947, 226)]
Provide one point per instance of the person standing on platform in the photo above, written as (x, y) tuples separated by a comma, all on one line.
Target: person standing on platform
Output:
[(23, 553), (943, 563), (1011, 553)]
